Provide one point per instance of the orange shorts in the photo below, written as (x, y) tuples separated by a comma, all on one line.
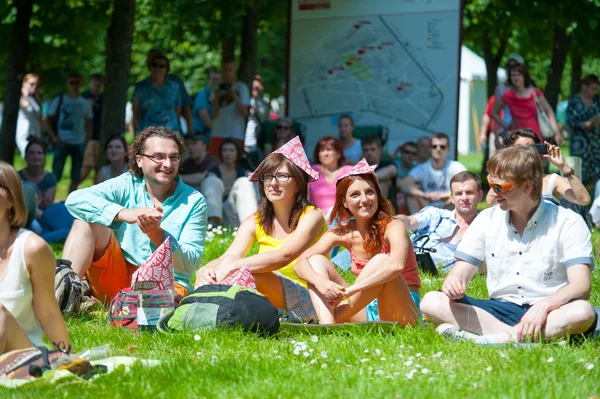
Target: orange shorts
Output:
[(112, 272), (214, 146)]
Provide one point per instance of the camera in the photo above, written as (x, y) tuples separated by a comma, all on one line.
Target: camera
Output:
[(224, 86)]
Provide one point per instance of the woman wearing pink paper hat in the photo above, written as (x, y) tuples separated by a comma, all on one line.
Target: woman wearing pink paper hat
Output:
[(382, 257), (284, 226)]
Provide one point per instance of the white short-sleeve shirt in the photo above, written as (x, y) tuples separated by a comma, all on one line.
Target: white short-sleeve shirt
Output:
[(525, 269), (432, 179)]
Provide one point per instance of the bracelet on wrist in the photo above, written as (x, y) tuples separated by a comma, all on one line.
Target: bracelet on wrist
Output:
[(569, 173)]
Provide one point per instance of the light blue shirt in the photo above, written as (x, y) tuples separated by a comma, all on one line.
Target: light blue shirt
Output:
[(437, 224), (184, 219), (157, 105)]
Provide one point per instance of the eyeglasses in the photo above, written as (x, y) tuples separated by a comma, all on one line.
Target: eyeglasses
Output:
[(409, 152), (283, 127), (74, 83), (159, 66), (160, 158), (440, 146), (280, 177), (501, 188)]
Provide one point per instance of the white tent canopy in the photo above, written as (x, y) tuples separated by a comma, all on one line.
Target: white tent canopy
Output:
[(472, 102)]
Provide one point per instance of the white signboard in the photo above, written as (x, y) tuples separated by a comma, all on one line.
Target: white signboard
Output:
[(393, 63)]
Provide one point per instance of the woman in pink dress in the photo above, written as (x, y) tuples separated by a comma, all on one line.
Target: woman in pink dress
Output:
[(520, 101), (330, 162)]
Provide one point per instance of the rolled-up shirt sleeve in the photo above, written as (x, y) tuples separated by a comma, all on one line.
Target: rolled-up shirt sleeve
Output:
[(100, 203), (472, 246), (576, 243)]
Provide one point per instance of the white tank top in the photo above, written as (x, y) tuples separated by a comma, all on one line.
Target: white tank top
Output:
[(16, 293)]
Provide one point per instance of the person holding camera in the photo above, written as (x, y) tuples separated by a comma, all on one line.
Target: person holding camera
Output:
[(230, 107)]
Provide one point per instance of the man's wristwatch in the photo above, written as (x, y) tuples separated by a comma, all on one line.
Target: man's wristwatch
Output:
[(569, 173)]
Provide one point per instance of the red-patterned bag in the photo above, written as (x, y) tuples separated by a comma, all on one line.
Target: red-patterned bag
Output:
[(123, 310)]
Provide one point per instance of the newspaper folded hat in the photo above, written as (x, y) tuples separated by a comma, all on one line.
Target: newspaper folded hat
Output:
[(361, 168), (157, 272), (293, 151)]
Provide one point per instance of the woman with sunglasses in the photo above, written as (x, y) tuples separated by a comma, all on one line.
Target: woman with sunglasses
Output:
[(330, 162), (28, 307), (29, 121), (555, 187), (284, 226), (156, 100), (284, 132), (382, 257)]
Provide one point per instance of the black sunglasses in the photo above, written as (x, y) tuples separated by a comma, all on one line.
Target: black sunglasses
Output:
[(159, 66), (409, 152), (74, 83), (283, 127), (440, 146)]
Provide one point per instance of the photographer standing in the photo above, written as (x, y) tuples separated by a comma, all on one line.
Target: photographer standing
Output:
[(231, 105)]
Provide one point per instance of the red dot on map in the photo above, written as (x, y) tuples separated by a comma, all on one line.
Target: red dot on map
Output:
[(361, 51), (348, 63), (330, 71), (357, 26)]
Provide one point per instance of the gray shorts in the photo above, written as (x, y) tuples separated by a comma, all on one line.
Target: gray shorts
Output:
[(297, 301)]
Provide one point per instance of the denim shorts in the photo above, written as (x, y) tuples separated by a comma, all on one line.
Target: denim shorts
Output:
[(373, 307), (508, 312), (297, 301)]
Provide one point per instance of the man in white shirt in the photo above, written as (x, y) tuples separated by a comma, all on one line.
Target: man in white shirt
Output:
[(429, 183), (539, 263), (230, 108)]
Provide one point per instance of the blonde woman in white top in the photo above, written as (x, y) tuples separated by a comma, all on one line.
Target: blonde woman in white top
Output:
[(27, 267)]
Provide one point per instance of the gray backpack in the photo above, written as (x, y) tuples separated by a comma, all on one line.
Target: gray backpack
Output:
[(67, 288)]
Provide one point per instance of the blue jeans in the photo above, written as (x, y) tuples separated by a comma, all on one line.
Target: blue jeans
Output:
[(60, 156)]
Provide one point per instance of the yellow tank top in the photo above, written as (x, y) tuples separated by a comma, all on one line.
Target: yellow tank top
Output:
[(266, 243)]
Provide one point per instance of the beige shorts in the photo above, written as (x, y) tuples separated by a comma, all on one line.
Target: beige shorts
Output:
[(91, 156)]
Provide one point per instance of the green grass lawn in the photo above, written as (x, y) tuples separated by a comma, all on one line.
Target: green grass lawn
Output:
[(409, 363)]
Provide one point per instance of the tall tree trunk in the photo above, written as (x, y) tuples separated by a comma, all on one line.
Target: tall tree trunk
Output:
[(15, 70), (119, 39), (492, 61), (228, 46), (248, 59), (576, 64), (562, 44)]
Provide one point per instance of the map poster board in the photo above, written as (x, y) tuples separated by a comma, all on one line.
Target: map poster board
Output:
[(393, 63)]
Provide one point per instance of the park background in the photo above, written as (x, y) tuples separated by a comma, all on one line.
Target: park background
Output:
[(560, 42)]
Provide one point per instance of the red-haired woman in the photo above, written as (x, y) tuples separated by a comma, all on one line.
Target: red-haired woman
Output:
[(330, 162), (382, 257), (284, 226), (521, 101)]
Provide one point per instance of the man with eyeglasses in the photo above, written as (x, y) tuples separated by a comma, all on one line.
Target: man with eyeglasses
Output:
[(119, 223), (539, 263), (70, 128), (429, 182)]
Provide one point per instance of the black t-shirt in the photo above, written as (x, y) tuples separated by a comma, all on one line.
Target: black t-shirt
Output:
[(391, 194), (189, 166)]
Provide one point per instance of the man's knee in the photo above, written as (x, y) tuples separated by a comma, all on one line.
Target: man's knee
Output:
[(581, 312), (432, 302)]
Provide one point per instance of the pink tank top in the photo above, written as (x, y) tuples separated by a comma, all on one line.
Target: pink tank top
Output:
[(410, 271)]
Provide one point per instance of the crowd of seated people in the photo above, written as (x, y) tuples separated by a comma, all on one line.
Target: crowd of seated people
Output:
[(352, 195)]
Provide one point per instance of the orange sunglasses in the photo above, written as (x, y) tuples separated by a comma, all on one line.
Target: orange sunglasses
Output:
[(501, 187)]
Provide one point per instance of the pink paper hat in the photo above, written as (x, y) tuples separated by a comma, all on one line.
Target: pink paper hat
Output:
[(361, 168), (293, 151)]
